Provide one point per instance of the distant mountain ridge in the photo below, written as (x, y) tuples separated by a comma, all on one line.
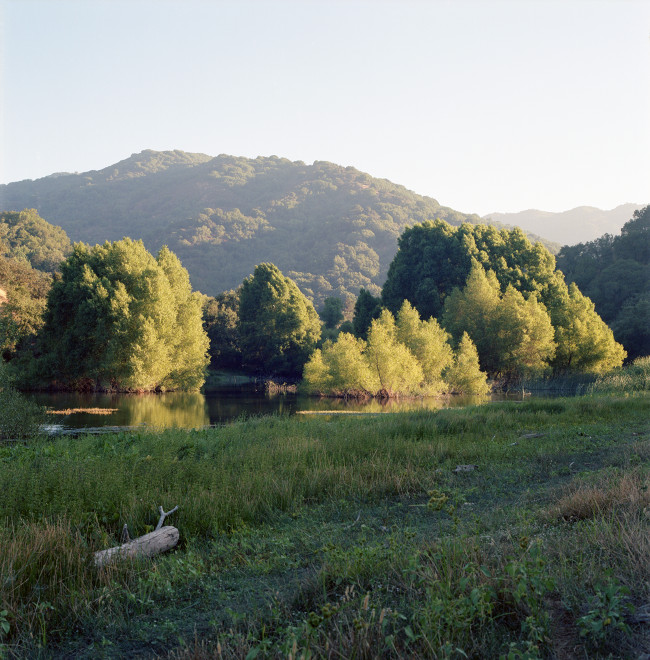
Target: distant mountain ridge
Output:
[(578, 225), (333, 229)]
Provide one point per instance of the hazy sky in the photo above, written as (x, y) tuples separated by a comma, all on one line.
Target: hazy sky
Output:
[(485, 105)]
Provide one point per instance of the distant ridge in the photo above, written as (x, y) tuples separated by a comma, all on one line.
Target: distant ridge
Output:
[(333, 229), (579, 225)]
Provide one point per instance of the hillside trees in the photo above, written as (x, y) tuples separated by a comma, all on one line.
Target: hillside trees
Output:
[(119, 318), (278, 326), (26, 236)]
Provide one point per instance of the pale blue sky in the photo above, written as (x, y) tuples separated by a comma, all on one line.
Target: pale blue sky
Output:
[(484, 105)]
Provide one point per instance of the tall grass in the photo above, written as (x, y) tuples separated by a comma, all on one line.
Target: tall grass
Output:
[(634, 377), (61, 499)]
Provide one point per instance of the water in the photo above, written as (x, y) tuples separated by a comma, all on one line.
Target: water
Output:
[(185, 410)]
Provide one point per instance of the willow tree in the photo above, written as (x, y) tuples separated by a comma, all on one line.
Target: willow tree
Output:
[(278, 326), (513, 334), (118, 318)]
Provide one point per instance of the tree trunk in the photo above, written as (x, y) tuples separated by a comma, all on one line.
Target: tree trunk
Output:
[(151, 544)]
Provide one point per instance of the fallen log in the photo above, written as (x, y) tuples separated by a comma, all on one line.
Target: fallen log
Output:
[(149, 545)]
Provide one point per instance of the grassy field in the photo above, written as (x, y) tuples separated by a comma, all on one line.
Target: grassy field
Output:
[(518, 530)]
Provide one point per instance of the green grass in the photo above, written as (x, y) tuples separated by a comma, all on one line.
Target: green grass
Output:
[(339, 536)]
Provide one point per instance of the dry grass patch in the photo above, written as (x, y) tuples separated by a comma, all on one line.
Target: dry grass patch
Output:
[(630, 493)]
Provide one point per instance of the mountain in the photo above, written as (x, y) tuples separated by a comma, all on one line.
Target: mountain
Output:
[(332, 229), (579, 225)]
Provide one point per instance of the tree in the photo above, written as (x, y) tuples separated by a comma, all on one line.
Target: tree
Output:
[(332, 311), (465, 375), (584, 342), (119, 318), (614, 272), (340, 368), (513, 335), (278, 326), (22, 304), (220, 319), (434, 258), (366, 308), (26, 236), (428, 342), (396, 369)]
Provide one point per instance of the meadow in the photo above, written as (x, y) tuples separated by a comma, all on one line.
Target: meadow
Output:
[(515, 530)]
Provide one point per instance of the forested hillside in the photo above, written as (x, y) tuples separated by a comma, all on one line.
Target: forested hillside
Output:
[(332, 229)]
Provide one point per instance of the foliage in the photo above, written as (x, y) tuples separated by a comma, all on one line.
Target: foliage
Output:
[(19, 417), (634, 377), (404, 357), (428, 342), (584, 342), (507, 314), (513, 335), (340, 368), (434, 258), (395, 367), (332, 311), (119, 318), (464, 376), (366, 308), (278, 326), (332, 229), (25, 236), (315, 538), (614, 272), (21, 312), (220, 319)]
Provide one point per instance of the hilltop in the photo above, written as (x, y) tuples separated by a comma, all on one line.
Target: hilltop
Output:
[(578, 225), (332, 229)]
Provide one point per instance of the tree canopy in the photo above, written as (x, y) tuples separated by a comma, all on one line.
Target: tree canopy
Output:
[(278, 326), (26, 236), (505, 293), (403, 356), (119, 318), (614, 272)]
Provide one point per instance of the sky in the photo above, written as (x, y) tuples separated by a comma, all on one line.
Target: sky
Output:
[(484, 105)]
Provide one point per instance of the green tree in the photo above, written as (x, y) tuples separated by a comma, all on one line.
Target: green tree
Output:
[(366, 308), (584, 342), (465, 375), (614, 272), (513, 335), (22, 303), (26, 236), (394, 366), (434, 258), (428, 342), (220, 319), (332, 311), (340, 368), (278, 326), (120, 318)]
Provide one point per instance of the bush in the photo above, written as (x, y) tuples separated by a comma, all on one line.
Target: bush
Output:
[(19, 417)]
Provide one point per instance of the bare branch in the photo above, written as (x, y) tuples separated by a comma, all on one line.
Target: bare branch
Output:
[(163, 515)]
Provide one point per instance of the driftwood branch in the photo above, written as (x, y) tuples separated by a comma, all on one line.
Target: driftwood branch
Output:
[(149, 545), (163, 515)]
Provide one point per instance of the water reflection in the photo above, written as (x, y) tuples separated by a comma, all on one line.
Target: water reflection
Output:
[(176, 409)]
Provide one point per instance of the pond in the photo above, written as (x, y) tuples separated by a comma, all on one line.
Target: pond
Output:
[(195, 410)]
